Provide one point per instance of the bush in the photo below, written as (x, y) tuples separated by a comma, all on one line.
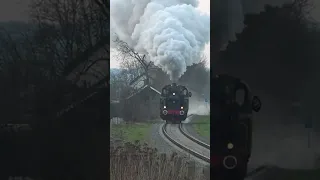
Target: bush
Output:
[(140, 162)]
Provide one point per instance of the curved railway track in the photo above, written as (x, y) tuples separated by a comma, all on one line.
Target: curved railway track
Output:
[(179, 137), (176, 134)]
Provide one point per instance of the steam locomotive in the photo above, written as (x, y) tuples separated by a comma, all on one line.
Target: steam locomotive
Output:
[(231, 127), (174, 103)]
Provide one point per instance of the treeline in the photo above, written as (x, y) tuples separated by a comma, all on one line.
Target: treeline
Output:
[(52, 81)]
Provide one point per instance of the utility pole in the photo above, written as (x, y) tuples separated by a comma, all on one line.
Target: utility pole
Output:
[(147, 82)]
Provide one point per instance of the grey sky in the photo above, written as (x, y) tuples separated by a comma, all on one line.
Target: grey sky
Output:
[(16, 10), (205, 7)]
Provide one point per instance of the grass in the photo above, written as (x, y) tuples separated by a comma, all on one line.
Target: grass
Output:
[(131, 132), (202, 126), (133, 161)]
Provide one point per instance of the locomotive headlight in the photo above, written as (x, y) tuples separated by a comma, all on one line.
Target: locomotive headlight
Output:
[(164, 107), (230, 146), (181, 107), (164, 112)]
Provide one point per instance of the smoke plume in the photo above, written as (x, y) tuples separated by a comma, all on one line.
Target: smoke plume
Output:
[(172, 33), (197, 105)]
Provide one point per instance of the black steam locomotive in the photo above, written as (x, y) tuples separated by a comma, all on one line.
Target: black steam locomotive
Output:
[(231, 127), (174, 103)]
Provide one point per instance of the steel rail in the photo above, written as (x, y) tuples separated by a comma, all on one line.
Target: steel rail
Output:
[(183, 147), (198, 155)]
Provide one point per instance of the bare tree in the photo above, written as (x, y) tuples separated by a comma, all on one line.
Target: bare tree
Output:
[(75, 32), (139, 72), (66, 40), (131, 59), (20, 72)]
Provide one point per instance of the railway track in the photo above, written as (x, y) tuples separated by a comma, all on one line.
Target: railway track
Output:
[(176, 134), (179, 137)]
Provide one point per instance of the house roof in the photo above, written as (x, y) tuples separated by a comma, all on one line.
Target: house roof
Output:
[(143, 88)]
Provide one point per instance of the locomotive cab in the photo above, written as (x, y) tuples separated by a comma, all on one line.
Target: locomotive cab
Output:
[(231, 127), (174, 103)]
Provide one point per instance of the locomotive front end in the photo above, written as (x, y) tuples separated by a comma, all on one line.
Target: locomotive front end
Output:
[(174, 103)]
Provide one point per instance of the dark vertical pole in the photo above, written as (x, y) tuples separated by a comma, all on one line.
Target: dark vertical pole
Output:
[(148, 84)]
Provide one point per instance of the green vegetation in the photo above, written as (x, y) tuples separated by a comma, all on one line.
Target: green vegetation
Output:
[(131, 132), (202, 126)]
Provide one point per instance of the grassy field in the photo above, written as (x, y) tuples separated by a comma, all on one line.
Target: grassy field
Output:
[(131, 132), (137, 161), (202, 126)]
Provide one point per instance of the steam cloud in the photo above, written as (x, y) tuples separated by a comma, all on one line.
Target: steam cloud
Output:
[(197, 105), (172, 33)]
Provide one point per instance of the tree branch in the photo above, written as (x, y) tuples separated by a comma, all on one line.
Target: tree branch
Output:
[(103, 4), (84, 56)]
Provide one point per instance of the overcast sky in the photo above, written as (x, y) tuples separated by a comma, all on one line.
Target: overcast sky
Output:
[(16, 10)]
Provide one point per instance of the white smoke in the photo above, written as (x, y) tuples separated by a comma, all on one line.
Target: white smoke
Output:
[(172, 33), (198, 106)]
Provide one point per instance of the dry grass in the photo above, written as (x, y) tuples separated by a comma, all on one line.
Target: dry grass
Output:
[(140, 162)]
